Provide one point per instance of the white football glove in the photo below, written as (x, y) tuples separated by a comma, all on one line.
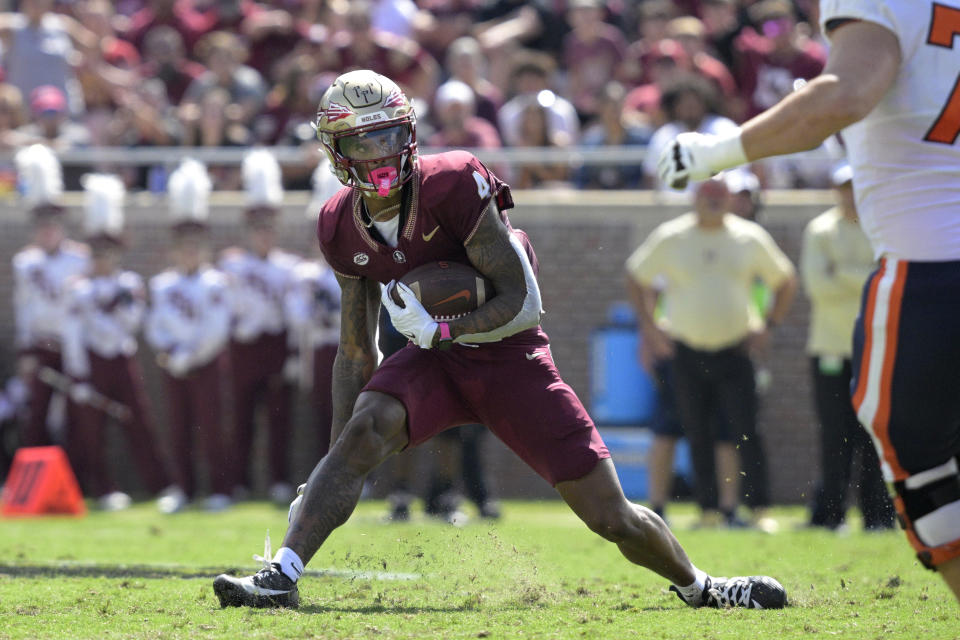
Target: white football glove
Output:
[(412, 320), (697, 156), (295, 505)]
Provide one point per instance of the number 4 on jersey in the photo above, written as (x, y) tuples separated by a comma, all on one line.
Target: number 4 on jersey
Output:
[(944, 25)]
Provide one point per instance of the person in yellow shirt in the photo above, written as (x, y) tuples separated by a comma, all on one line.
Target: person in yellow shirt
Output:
[(835, 262), (707, 261)]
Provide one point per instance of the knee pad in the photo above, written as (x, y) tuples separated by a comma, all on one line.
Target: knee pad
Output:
[(928, 504)]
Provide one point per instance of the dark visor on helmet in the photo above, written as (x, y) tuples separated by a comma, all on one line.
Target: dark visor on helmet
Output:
[(376, 144)]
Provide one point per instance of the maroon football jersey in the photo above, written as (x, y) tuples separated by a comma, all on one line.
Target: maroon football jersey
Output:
[(450, 192)]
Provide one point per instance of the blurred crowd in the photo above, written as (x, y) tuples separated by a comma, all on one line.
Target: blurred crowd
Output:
[(482, 74)]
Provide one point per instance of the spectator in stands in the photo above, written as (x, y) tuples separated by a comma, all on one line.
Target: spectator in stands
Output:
[(690, 34), (593, 51), (745, 196), (690, 105), (667, 64), (99, 17), (402, 18), (269, 33), (707, 260), (466, 62), (361, 46), (454, 116), (223, 54), (530, 81), (613, 127), (291, 105), (111, 70), (12, 117), (180, 15), (50, 125), (536, 130), (40, 48), (443, 22), (769, 60), (216, 122), (144, 118), (836, 260), (653, 17), (504, 25), (722, 26), (164, 58)]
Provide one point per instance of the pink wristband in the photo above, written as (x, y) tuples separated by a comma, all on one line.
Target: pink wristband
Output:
[(445, 338)]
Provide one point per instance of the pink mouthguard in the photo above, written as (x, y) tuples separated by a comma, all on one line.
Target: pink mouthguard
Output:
[(383, 178)]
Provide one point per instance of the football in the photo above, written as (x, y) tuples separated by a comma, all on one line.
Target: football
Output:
[(447, 290)]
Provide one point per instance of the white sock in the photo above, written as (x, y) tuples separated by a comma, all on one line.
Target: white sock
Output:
[(693, 592), (290, 563)]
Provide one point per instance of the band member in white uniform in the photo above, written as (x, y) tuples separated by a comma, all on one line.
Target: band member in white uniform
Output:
[(43, 272), (188, 326), (106, 311), (260, 276)]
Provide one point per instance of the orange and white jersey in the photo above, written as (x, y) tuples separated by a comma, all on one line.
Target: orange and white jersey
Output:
[(905, 153), (189, 314), (105, 315), (258, 289), (40, 294)]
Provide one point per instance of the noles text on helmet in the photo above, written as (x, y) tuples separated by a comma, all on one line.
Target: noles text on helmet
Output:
[(368, 129)]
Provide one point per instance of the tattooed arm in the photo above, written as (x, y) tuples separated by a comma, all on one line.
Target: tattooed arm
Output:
[(356, 355), (497, 254)]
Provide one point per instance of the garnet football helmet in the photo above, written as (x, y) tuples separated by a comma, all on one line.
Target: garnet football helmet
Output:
[(368, 130)]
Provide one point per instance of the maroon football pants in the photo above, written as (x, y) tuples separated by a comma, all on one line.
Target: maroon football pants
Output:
[(194, 410), (120, 379), (258, 379)]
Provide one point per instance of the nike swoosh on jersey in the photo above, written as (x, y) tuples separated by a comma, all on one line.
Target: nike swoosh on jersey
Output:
[(427, 237), (464, 293), (535, 354)]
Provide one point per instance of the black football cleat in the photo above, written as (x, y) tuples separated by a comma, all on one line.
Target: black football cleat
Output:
[(753, 592), (266, 588)]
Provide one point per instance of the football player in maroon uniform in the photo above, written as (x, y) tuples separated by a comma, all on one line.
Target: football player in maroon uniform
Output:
[(492, 366)]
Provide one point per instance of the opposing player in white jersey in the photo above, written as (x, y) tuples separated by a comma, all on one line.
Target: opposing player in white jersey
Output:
[(260, 277), (188, 325), (106, 311), (42, 273), (892, 84)]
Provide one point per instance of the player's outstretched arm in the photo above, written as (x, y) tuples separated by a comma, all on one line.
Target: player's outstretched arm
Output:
[(356, 356), (497, 254), (863, 63)]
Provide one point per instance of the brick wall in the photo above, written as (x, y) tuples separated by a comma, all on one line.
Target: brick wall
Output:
[(582, 240)]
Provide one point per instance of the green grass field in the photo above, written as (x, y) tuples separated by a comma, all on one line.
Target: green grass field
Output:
[(539, 573)]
